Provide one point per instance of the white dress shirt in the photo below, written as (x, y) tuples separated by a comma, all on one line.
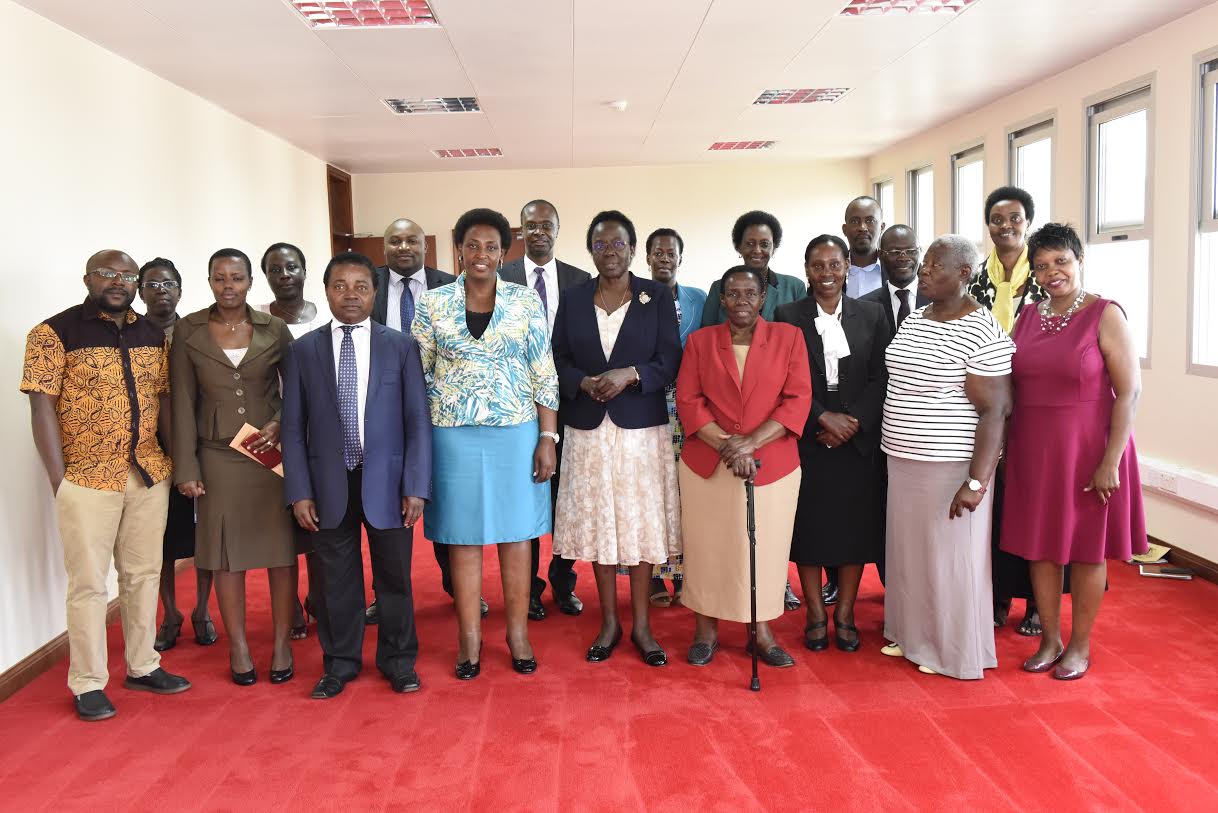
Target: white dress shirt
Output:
[(550, 273), (863, 279), (894, 301), (361, 337), (393, 311)]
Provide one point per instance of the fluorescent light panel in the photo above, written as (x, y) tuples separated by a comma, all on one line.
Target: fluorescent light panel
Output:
[(437, 104), (474, 152), (365, 13), (740, 145), (801, 95), (866, 8)]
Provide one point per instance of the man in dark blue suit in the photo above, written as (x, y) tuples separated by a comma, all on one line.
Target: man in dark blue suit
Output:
[(356, 439)]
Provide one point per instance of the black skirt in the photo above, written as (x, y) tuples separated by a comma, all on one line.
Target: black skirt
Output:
[(840, 516), (179, 528), (1010, 573)]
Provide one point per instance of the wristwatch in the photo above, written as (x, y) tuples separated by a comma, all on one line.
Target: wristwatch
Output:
[(552, 436), (975, 486)]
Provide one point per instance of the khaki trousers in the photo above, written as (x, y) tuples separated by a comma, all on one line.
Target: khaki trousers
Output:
[(96, 527)]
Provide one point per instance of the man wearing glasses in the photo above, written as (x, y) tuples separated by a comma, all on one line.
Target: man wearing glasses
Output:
[(98, 379), (899, 261), (542, 272)]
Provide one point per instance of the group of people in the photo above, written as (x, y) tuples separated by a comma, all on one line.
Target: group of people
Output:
[(868, 409)]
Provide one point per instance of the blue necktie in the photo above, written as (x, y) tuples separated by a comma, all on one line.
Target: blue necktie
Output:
[(348, 404), (407, 305), (540, 287)]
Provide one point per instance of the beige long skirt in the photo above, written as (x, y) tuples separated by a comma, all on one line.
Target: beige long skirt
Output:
[(716, 542)]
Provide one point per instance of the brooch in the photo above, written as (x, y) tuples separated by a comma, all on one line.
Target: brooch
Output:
[(644, 297)]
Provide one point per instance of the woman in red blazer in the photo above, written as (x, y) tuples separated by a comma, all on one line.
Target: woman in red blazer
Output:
[(743, 394)]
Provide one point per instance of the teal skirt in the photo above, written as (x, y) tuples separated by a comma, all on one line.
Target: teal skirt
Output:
[(482, 486)]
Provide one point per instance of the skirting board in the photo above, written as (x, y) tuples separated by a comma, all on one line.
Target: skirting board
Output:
[(1203, 568)]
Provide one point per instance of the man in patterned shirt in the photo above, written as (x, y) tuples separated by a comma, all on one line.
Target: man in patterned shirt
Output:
[(98, 379)]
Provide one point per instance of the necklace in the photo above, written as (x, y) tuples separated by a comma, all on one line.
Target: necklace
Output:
[(1051, 322), (605, 305), (233, 327)]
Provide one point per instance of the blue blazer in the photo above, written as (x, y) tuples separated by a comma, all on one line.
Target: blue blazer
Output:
[(397, 428), (693, 301), (649, 341)]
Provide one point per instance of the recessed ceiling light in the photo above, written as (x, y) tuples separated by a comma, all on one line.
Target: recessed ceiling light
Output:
[(864, 8), (801, 95), (476, 152), (365, 13), (438, 104), (741, 145)]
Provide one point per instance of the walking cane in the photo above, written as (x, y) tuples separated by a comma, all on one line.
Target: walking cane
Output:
[(755, 685)]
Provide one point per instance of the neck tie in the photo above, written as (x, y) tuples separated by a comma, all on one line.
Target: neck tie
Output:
[(540, 287), (348, 406), (407, 306), (903, 310)]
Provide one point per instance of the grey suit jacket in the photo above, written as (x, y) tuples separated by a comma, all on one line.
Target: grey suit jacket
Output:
[(435, 278)]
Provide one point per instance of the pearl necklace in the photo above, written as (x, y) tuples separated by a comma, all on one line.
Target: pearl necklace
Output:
[(1051, 322)]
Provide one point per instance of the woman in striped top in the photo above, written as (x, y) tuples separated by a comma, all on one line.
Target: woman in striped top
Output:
[(949, 393)]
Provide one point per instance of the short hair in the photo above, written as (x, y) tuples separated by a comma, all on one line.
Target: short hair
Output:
[(1010, 193), (866, 199), (899, 227), (831, 239), (539, 202), (658, 233), (612, 216), (756, 218), (960, 248), (159, 262), (231, 254), (281, 246), (741, 269), (349, 258), (484, 217), (1052, 236)]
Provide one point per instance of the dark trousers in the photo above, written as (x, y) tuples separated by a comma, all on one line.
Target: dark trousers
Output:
[(561, 571), (336, 567), (446, 576)]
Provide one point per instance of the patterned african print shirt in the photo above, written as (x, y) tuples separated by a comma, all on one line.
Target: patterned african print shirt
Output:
[(492, 381), (108, 382)]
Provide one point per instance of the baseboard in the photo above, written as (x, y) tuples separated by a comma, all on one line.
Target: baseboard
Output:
[(1203, 568), (25, 671)]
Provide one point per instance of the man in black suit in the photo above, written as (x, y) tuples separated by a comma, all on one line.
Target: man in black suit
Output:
[(399, 284), (899, 260), (549, 277)]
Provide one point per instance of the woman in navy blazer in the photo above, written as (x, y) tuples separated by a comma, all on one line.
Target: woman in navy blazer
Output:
[(617, 347)]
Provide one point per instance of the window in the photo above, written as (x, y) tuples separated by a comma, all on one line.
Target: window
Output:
[(884, 192), (921, 184), (1205, 279), (968, 194), (1030, 159), (1118, 207)]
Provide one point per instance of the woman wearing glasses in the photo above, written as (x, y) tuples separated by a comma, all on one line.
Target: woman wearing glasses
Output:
[(617, 347), (161, 289), (743, 394)]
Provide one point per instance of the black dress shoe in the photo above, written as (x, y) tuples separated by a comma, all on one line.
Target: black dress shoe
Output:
[(790, 601), (404, 682), (525, 666), (244, 678), (598, 653), (700, 654), (816, 644), (569, 604), (158, 681), (205, 631), (828, 593), (468, 671), (485, 608), (372, 615), (775, 656), (845, 644), (283, 675), (329, 686), (651, 657), (93, 706), (537, 612)]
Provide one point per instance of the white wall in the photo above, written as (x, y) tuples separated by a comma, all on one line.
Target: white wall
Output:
[(102, 154), (701, 202), (1173, 418)]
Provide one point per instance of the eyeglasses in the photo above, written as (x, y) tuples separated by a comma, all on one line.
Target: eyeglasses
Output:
[(600, 246), (107, 274), (157, 285), (545, 226), (912, 253)]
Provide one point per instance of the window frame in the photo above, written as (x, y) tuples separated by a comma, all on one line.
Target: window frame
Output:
[(1097, 109), (1204, 195), (971, 154), (876, 184), (911, 199), (1029, 131)]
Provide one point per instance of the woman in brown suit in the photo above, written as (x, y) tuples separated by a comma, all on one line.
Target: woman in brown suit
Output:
[(224, 372)]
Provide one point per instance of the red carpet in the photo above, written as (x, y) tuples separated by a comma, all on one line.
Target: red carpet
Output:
[(837, 732)]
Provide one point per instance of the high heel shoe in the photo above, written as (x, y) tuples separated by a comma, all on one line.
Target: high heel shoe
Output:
[(844, 644), (598, 653), (525, 666), (244, 678), (467, 670), (299, 633), (816, 644), (283, 675)]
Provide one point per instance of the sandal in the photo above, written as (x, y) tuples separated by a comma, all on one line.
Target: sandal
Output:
[(167, 635), (1028, 626), (659, 594), (205, 631), (301, 631), (817, 644)]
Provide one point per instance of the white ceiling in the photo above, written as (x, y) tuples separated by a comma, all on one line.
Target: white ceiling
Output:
[(543, 71)]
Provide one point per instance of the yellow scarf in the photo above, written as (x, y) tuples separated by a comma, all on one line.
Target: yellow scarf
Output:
[(1004, 289)]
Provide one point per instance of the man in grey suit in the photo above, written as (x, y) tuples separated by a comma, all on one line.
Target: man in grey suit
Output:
[(540, 270)]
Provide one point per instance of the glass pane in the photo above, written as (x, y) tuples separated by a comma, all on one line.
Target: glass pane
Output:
[(1121, 172), (1120, 271), (1034, 175), (887, 202), (970, 201), (924, 206), (1205, 306)]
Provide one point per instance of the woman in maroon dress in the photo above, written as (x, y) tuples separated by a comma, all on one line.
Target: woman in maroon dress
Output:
[(1073, 494)]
